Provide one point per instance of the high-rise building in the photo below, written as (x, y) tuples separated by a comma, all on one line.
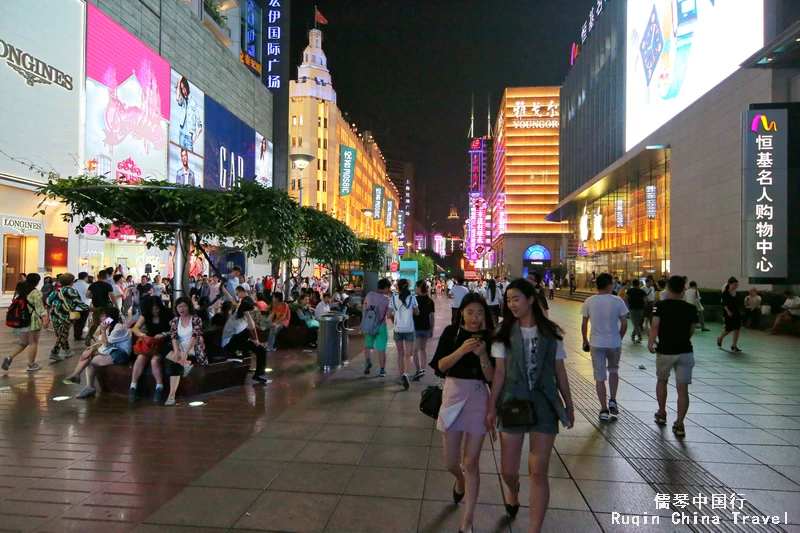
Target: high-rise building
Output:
[(347, 176), (401, 174), (524, 187)]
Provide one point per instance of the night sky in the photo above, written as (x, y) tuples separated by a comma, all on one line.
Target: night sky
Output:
[(405, 69)]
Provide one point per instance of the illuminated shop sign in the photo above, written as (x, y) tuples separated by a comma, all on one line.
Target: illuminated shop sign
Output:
[(536, 115), (765, 183), (377, 202), (588, 26), (584, 226), (389, 218), (500, 214), (250, 54), (276, 46), (476, 166), (401, 223), (439, 244), (347, 161), (619, 213), (229, 148), (476, 227), (597, 226), (419, 241), (650, 198)]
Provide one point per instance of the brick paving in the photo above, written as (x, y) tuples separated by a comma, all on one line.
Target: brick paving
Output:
[(351, 453)]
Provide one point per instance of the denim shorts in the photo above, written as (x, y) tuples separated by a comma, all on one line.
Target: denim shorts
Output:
[(403, 336), (424, 333)]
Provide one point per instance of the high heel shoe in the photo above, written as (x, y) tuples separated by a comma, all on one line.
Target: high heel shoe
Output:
[(512, 510), (456, 496)]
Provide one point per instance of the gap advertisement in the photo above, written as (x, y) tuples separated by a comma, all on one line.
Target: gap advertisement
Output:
[(186, 133), (229, 148), (127, 103)]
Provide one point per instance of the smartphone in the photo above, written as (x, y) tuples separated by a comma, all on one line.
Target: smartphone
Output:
[(108, 321), (586, 348), (477, 337)]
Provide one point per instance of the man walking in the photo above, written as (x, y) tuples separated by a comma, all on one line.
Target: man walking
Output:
[(673, 323), (552, 286), (609, 317), (457, 293), (374, 314), (636, 301)]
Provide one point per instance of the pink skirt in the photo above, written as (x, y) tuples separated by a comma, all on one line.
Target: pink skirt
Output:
[(472, 418)]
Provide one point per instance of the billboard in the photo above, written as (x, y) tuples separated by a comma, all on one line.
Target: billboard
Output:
[(765, 155), (347, 163), (41, 83), (229, 148), (186, 134), (264, 151), (127, 103), (389, 218), (377, 201), (680, 49), (476, 166)]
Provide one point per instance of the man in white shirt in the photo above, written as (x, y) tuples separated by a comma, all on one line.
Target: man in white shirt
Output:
[(323, 306), (457, 293), (609, 317), (81, 286), (552, 286), (650, 291), (790, 313)]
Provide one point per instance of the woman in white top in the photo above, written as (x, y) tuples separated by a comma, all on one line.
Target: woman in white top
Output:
[(240, 335), (188, 345), (692, 296), (403, 308)]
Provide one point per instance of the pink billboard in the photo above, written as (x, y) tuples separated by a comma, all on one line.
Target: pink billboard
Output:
[(127, 103)]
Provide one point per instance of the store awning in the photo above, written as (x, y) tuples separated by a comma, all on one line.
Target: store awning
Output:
[(632, 164), (782, 52)]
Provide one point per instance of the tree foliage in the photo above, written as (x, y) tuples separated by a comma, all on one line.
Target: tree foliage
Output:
[(253, 218), (372, 255), (425, 265), (326, 239)]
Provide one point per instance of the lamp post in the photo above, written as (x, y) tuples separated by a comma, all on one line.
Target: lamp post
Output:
[(301, 161), (368, 213)]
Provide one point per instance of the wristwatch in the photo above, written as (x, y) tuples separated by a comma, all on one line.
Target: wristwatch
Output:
[(675, 60), (650, 48)]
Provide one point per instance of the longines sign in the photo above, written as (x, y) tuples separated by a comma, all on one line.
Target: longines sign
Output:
[(33, 69), (22, 225)]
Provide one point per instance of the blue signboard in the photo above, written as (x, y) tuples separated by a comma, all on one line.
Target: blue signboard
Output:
[(229, 148)]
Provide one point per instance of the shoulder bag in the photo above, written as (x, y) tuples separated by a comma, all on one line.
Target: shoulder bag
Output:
[(519, 413)]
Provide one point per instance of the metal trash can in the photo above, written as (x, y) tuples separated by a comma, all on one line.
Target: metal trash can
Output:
[(329, 355), (343, 332)]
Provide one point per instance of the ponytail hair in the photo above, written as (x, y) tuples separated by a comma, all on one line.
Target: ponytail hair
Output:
[(403, 290)]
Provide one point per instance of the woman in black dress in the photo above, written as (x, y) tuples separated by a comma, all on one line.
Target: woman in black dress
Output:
[(731, 313)]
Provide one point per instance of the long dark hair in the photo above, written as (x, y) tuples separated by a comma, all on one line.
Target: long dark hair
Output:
[(403, 291), (422, 285), (113, 314), (146, 309), (245, 305), (30, 283), (546, 326), (492, 288), (475, 298)]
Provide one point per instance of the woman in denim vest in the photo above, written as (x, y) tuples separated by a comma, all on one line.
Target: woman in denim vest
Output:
[(529, 355)]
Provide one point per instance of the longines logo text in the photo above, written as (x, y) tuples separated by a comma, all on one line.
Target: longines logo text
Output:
[(34, 70)]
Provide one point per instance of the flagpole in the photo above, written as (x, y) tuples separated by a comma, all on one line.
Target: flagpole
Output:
[(316, 25)]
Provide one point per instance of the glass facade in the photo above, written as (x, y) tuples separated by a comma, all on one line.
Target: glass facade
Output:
[(626, 232)]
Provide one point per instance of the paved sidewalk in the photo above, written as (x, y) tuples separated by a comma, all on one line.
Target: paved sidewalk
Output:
[(353, 454)]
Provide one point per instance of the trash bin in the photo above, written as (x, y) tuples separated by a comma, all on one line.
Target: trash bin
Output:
[(329, 342), (343, 332)]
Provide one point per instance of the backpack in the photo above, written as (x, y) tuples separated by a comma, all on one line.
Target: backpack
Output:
[(371, 320), (18, 314)]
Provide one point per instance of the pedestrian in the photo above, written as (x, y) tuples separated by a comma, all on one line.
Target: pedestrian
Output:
[(692, 296), (403, 307), (572, 284), (62, 302), (673, 324), (536, 279), (662, 289), (102, 296), (81, 286), (593, 280), (28, 334), (790, 313), (552, 286), (373, 324), (463, 359), (609, 317), (494, 297), (636, 298), (530, 379), (424, 323), (731, 314), (119, 293), (650, 291), (752, 308), (457, 293)]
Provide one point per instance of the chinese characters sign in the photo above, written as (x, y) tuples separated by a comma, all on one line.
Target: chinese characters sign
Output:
[(347, 163), (438, 244), (650, 200), (401, 224), (389, 219), (277, 31), (377, 202), (764, 182), (619, 213), (536, 114), (250, 54), (476, 166), (476, 236), (588, 26)]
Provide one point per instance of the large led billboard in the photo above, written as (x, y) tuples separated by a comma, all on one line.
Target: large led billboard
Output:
[(186, 134), (41, 86), (264, 154), (127, 103), (229, 148), (678, 50)]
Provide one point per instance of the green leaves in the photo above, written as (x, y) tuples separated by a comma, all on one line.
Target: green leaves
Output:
[(326, 239), (372, 255), (425, 264)]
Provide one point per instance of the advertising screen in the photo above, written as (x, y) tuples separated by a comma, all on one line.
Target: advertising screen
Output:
[(229, 148), (678, 50), (41, 83), (186, 136), (263, 160), (127, 103)]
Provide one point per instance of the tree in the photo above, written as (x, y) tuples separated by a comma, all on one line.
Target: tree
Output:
[(425, 265), (326, 239), (372, 255)]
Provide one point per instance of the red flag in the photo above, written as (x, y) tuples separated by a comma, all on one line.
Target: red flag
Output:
[(318, 17)]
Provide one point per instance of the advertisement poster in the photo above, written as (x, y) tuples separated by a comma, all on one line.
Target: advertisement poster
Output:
[(127, 103), (229, 148), (678, 50), (377, 202), (347, 163), (186, 134), (41, 83), (263, 160)]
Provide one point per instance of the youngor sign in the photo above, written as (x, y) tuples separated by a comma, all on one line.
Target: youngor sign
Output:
[(347, 165), (377, 201), (42, 62), (765, 147)]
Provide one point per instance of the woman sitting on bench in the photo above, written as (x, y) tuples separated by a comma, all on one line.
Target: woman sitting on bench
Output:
[(188, 345)]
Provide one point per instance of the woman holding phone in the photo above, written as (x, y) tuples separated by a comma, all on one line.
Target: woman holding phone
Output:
[(529, 384), (462, 359)]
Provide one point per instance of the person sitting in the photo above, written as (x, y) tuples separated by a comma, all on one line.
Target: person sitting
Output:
[(240, 335), (261, 303), (790, 313), (112, 346), (323, 306), (306, 315), (278, 318), (752, 308), (188, 345), (152, 331), (220, 319)]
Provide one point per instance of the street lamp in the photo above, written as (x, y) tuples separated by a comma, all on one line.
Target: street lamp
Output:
[(301, 161), (368, 213)]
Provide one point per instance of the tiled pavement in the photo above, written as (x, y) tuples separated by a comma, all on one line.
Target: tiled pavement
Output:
[(353, 454)]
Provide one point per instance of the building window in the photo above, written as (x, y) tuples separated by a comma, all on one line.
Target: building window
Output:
[(325, 186), (319, 122), (294, 183), (325, 144), (313, 58), (294, 120), (318, 186), (300, 141), (324, 207), (325, 123), (319, 164), (294, 142), (301, 120), (319, 143), (325, 165)]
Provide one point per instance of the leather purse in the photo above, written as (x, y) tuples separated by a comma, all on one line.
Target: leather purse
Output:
[(517, 413), (431, 401)]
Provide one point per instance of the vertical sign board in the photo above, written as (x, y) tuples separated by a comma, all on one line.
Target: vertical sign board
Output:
[(476, 166), (250, 54), (347, 163), (401, 224), (275, 76), (765, 149), (389, 219), (377, 202)]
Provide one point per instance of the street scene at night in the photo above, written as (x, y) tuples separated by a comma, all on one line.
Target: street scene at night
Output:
[(410, 266)]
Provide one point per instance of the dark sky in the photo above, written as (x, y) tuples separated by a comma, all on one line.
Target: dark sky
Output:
[(405, 69)]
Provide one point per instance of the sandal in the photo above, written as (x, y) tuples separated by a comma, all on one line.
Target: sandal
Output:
[(735, 349), (512, 510), (679, 431), (660, 419), (719, 342), (170, 402)]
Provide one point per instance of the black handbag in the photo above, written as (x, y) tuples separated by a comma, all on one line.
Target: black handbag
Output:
[(517, 413), (431, 401)]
